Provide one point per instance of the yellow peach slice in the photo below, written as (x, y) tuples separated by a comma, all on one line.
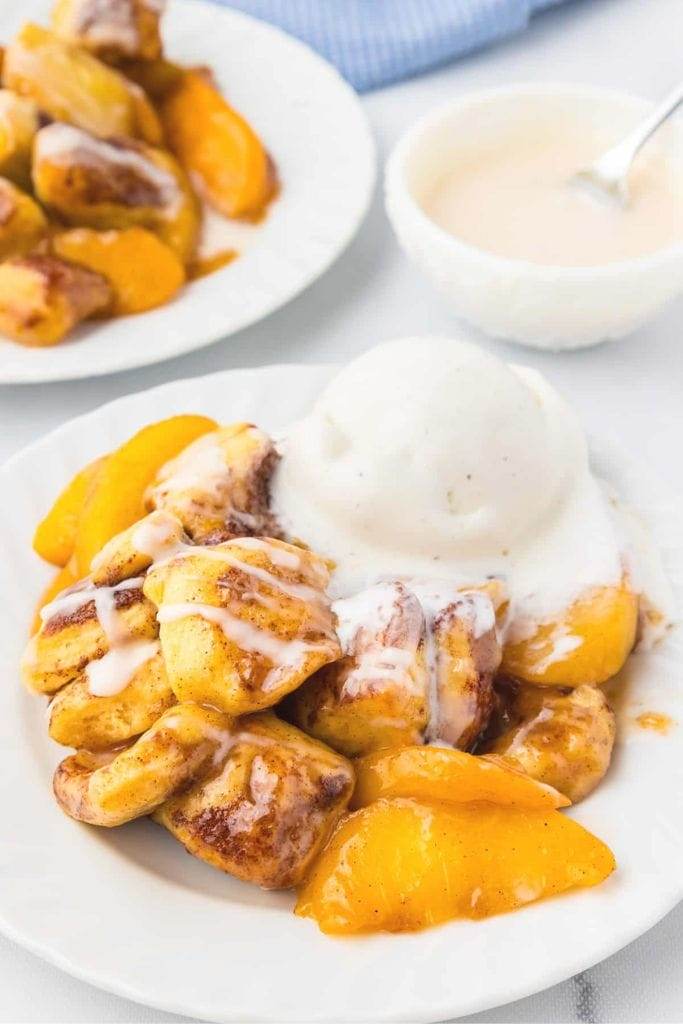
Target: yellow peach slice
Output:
[(55, 535), (450, 776), (218, 149), (116, 501), (589, 644), (142, 270), (399, 865)]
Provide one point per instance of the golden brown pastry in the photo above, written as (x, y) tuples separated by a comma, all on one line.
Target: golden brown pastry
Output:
[(114, 183), (22, 222), (418, 664), (269, 810), (114, 787), (18, 125), (83, 625), (130, 553), (377, 695), (79, 718), (111, 29), (69, 84), (561, 737), (218, 486), (589, 643), (242, 623), (42, 298)]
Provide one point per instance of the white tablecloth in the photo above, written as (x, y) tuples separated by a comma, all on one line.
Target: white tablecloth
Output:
[(633, 392)]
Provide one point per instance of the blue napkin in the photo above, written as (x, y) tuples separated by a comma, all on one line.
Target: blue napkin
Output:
[(374, 42)]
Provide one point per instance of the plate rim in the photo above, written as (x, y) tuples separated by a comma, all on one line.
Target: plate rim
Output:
[(367, 154), (668, 895)]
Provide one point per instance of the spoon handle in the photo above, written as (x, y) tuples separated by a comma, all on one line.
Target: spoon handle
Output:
[(617, 160)]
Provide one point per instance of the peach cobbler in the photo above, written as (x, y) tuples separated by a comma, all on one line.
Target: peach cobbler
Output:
[(111, 159), (365, 661)]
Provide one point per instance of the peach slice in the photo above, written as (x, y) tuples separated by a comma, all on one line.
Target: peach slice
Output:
[(589, 644), (218, 149), (399, 865), (116, 501), (450, 776), (142, 270), (55, 535)]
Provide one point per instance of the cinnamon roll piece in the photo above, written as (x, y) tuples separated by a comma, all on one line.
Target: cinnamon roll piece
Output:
[(218, 486), (418, 666), (558, 736), (106, 632), (114, 183), (81, 719), (116, 786), (267, 813), (42, 297), (242, 623), (111, 29)]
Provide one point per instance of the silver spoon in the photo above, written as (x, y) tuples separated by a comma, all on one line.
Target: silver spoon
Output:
[(607, 177)]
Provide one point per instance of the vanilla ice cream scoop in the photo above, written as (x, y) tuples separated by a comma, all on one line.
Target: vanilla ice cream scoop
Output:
[(426, 445)]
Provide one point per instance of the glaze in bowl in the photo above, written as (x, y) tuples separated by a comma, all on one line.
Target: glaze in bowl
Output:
[(553, 307)]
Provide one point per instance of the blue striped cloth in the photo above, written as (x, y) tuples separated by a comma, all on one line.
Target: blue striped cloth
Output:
[(374, 42)]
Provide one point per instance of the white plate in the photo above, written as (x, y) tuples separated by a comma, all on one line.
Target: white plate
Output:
[(314, 126), (130, 911)]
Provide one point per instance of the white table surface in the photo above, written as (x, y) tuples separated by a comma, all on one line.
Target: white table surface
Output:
[(632, 391)]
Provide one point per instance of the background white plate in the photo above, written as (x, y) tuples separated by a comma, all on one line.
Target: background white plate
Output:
[(130, 911), (312, 123)]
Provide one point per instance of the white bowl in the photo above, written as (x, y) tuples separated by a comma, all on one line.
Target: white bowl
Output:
[(553, 307)]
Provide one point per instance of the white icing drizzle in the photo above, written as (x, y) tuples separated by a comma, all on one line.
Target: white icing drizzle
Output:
[(262, 787), (563, 643), (199, 467), (286, 655), (471, 606), (159, 537), (363, 622), (284, 557), (300, 591), (64, 143), (107, 23), (70, 600), (112, 672), (520, 736)]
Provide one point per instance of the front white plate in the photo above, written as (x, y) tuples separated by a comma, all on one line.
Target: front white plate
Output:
[(313, 125), (130, 911)]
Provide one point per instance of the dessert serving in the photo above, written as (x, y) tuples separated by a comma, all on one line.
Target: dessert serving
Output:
[(365, 659), (117, 169)]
